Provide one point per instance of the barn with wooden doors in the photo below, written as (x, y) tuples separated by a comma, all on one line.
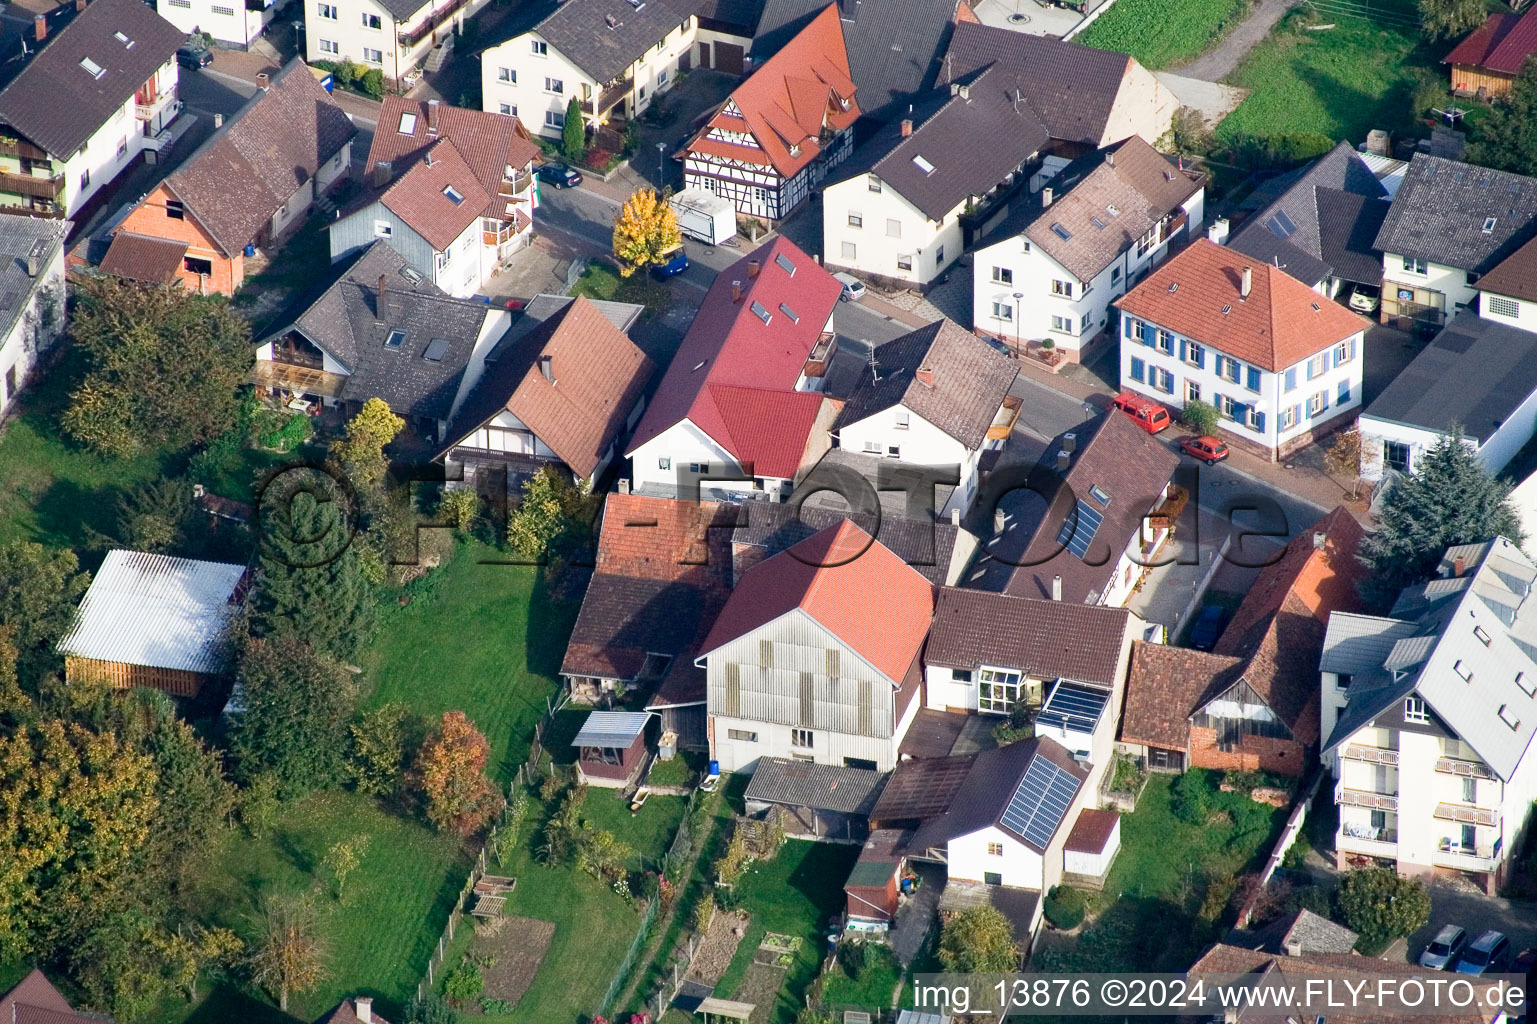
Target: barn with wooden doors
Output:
[(154, 620), (611, 747), (874, 884)]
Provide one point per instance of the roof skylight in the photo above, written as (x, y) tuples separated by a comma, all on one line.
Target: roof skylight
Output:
[(923, 165), (94, 69), (454, 195), (435, 350), (785, 264), (760, 312), (1061, 232), (395, 340), (407, 123), (787, 311)]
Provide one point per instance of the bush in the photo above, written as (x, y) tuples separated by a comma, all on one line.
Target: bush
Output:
[(371, 84), (1310, 897), (1020, 725), (1201, 417), (464, 982), (459, 507), (1065, 907), (854, 957), (704, 913), (1191, 801), (430, 1010), (276, 431)]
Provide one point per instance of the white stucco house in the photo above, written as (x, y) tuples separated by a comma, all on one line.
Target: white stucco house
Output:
[(936, 397), (33, 288), (893, 212), (1281, 363), (1429, 714), (614, 57), (397, 37), (1479, 373), (1053, 268)]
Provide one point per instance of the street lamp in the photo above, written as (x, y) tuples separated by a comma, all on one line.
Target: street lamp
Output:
[(1017, 297), (661, 171)]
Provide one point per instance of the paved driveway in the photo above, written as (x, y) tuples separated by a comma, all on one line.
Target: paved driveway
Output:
[(1517, 919)]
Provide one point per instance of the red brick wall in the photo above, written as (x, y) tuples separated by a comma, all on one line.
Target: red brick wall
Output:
[(149, 218), (1284, 757)]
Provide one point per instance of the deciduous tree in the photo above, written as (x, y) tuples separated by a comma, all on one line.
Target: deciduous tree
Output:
[(382, 743), (342, 859), (1443, 19), (645, 231), (554, 521), (1506, 138), (299, 703), (361, 452), (1343, 457), (1449, 499), (1380, 906), (290, 955), (163, 366), (452, 768), (978, 940), (39, 589)]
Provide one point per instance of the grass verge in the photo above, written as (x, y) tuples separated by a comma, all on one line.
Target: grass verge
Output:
[(1163, 33)]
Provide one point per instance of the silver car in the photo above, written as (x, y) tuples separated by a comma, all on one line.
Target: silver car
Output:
[(1445, 949)]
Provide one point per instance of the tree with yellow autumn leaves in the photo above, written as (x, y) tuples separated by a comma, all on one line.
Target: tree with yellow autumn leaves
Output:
[(645, 232)]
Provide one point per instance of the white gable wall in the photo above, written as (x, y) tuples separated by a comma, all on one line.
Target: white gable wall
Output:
[(1017, 865)]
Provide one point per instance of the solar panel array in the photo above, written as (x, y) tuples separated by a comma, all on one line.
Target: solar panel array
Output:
[(1074, 707), (1041, 801), (1079, 530)]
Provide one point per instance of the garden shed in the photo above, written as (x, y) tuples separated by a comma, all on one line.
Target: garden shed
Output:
[(1091, 847), (874, 882), (611, 746)]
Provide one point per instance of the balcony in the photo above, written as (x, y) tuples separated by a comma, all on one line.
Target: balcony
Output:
[(1451, 854), (1371, 755), (1363, 839), (515, 187), (11, 146), (1465, 769), (297, 379), (434, 21), (1365, 798), (610, 97), (32, 185), (1004, 420), (1467, 814)]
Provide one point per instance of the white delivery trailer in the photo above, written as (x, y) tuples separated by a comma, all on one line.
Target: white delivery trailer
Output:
[(704, 215)]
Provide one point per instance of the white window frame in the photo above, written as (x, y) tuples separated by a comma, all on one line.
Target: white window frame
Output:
[(507, 75), (330, 46), (539, 47), (1002, 687), (554, 86), (1003, 311), (1003, 275), (1415, 709), (373, 22), (377, 58)]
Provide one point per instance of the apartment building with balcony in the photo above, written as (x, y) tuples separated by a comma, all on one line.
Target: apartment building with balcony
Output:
[(1429, 714), (395, 36), (1281, 363), (91, 88), (614, 57), (235, 22), (1052, 269)]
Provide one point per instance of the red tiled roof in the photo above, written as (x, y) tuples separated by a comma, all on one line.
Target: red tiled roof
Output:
[(663, 539), (34, 1000), (787, 102), (1092, 830), (734, 376), (489, 143), (1500, 44), (1164, 685), (346, 1013), (419, 196), (143, 257), (850, 584), (1281, 323)]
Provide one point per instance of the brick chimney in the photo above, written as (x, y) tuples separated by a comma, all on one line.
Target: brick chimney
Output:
[(432, 116), (907, 127), (363, 1007), (753, 266), (736, 291), (41, 24), (1248, 283), (925, 375), (1459, 567), (1045, 197)]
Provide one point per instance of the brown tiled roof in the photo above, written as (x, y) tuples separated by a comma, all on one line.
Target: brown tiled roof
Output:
[(57, 104), (624, 619), (34, 1000), (489, 143), (792, 98), (1092, 830), (235, 182), (967, 381), (1045, 639), (599, 375), (420, 196), (1279, 628), (1516, 274), (1281, 323), (921, 788), (1117, 203), (666, 539), (1164, 685), (346, 1013), (1128, 465), (143, 257)]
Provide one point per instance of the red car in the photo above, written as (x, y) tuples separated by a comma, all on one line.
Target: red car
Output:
[(1208, 449), (1145, 412)]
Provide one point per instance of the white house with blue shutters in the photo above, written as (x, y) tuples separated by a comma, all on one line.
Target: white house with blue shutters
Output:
[(1280, 362)]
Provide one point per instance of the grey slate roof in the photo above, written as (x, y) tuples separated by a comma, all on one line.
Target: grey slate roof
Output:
[(57, 104), (347, 322), (543, 306), (894, 46), (1312, 932), (401, 10), (742, 16), (989, 788), (946, 127), (825, 787), (1467, 683), (1044, 639), (20, 237), (580, 30), (1073, 87), (1442, 205), (970, 381), (1325, 223), (1476, 372), (1356, 645)]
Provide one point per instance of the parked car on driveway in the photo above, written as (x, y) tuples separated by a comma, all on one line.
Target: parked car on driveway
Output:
[(1206, 448), (1145, 412), (194, 56), (1204, 633), (675, 265), (1365, 298), (1489, 954), (1445, 948), (559, 175), (853, 287)]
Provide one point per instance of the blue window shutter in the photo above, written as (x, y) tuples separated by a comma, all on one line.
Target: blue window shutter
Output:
[(1136, 369), (1131, 327), (1259, 422), (1147, 334), (1352, 348), (1328, 360), (1200, 357), (1291, 378), (1253, 378), (1182, 350)]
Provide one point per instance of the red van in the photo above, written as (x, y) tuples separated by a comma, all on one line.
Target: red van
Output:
[(1145, 412)]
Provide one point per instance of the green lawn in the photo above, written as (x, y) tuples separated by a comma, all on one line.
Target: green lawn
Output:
[(484, 639), (1162, 33), (1330, 85), (794, 894), (1166, 894), (602, 281)]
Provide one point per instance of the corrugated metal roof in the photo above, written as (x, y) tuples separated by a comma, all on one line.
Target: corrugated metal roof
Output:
[(824, 787), (611, 728), (157, 611)]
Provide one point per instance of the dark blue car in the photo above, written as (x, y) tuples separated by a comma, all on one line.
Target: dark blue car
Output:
[(676, 265), (1207, 628)]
